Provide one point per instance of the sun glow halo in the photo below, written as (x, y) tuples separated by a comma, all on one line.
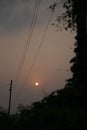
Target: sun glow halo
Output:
[(36, 84)]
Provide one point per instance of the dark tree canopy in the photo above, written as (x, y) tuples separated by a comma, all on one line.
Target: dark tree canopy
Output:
[(75, 16)]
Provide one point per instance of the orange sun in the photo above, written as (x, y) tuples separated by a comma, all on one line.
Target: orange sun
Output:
[(36, 84)]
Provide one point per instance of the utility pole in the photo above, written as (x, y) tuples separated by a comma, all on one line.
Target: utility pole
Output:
[(10, 90)]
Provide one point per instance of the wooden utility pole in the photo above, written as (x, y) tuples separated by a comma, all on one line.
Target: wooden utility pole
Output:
[(10, 90)]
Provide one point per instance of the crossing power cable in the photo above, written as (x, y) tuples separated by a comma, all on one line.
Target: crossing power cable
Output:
[(40, 45), (28, 41), (27, 46), (42, 40)]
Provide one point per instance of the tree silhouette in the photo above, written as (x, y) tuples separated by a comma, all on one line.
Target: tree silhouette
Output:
[(79, 67), (75, 18), (65, 108)]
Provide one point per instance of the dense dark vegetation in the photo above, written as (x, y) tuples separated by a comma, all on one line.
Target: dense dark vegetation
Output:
[(64, 109)]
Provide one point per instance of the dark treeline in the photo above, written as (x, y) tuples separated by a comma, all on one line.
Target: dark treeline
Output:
[(64, 109)]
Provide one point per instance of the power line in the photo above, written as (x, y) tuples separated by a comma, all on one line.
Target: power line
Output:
[(42, 40), (35, 58), (34, 19), (28, 41), (27, 45)]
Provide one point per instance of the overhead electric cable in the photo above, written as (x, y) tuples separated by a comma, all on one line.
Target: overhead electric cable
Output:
[(28, 41), (41, 42), (34, 19)]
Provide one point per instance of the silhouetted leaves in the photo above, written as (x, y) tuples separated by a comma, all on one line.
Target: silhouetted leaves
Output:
[(64, 109)]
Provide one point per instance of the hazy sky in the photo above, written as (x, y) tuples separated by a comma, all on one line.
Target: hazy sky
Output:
[(49, 68)]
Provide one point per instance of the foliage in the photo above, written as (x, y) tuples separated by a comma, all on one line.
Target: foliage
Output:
[(75, 18), (62, 109), (67, 19), (65, 108)]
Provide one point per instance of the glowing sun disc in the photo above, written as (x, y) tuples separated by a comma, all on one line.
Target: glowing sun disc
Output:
[(36, 84)]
